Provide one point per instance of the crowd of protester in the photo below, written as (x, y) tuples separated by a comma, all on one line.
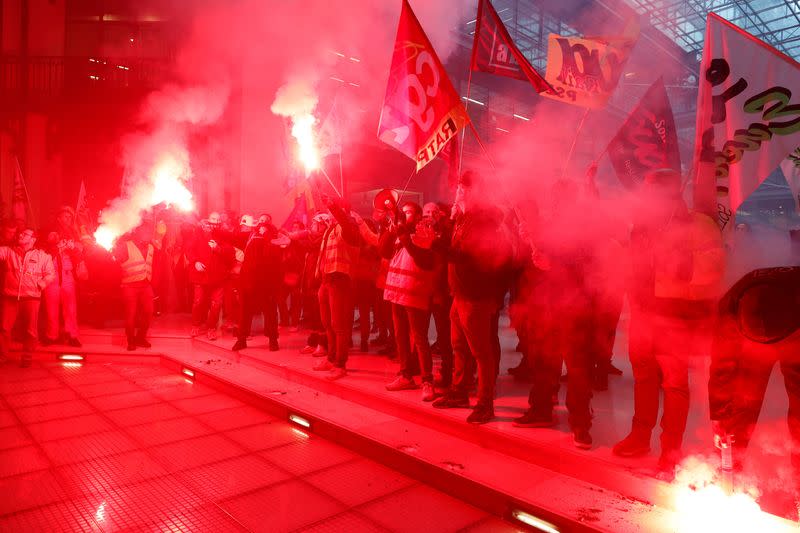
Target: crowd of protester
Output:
[(402, 270)]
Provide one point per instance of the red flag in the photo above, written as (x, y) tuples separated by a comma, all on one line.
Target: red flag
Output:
[(19, 202), (421, 109), (648, 139), (494, 52)]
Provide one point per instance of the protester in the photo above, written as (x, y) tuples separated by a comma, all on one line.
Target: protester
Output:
[(260, 285), (677, 265), (27, 271), (60, 296), (338, 253), (479, 256), (135, 256), (210, 258), (409, 287)]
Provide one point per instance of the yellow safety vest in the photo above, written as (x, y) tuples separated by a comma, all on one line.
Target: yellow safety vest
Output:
[(136, 267)]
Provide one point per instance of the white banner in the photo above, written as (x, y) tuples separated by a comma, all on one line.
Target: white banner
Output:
[(748, 117), (791, 171)]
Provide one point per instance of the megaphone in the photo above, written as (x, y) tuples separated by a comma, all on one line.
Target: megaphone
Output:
[(386, 200)]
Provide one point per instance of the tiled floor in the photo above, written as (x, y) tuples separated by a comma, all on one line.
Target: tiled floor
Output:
[(137, 448)]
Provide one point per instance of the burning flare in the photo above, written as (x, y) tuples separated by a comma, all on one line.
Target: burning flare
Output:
[(303, 131), (164, 183), (702, 504)]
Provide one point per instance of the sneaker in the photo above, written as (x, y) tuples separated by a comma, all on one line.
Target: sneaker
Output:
[(131, 346), (634, 445), (364, 346), (294, 329), (582, 439), (273, 345), (534, 420), (241, 344), (427, 391), (25, 360), (308, 349), (322, 366), (443, 381), (319, 351), (481, 414), (196, 332), (336, 373), (144, 343), (401, 383), (212, 334), (75, 343), (451, 401), (47, 342)]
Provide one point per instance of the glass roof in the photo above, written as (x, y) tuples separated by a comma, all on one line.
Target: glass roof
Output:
[(775, 21)]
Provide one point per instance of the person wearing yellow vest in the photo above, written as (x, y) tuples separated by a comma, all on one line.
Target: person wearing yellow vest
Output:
[(337, 258), (135, 256), (409, 287), (27, 271), (677, 263)]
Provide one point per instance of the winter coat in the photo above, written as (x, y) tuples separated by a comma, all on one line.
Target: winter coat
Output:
[(218, 261), (26, 273)]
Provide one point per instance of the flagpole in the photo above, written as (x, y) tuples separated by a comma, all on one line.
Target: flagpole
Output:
[(574, 143), (25, 188), (466, 109)]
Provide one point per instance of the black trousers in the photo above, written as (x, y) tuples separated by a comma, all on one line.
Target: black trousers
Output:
[(255, 301)]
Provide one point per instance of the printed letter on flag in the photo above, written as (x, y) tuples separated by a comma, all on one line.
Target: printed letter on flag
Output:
[(585, 72), (494, 52), (421, 109), (647, 140), (748, 117)]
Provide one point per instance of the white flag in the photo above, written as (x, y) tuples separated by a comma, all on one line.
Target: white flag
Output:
[(748, 117)]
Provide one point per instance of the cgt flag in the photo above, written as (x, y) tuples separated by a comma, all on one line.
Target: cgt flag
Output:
[(421, 109), (585, 72), (647, 140), (494, 52), (19, 199), (748, 117)]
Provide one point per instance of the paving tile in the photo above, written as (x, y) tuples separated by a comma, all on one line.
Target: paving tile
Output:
[(143, 414), (87, 447), (7, 418), (357, 482), (230, 477), (125, 400), (308, 455), (53, 518), (349, 521), (206, 404), (283, 507), (493, 524), (20, 460), (32, 489), (204, 518), (166, 431), (68, 427), (107, 473), (42, 413), (195, 452), (265, 436), (91, 390), (235, 417), (41, 397), (32, 385), (13, 437), (421, 508)]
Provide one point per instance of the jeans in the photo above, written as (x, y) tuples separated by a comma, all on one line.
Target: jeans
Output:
[(565, 337), (410, 324), (207, 305), (138, 303), (60, 302), (660, 348), (471, 335), (336, 313), (27, 310)]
